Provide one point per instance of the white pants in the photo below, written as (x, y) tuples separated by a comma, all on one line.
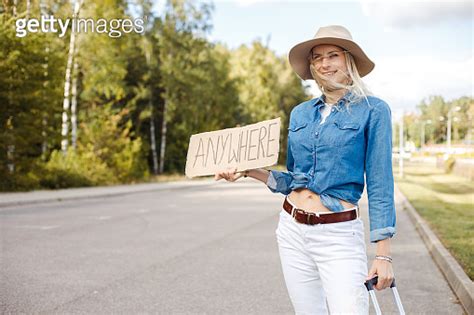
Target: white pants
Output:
[(324, 266)]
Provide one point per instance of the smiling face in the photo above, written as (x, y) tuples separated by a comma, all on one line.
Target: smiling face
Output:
[(328, 64)]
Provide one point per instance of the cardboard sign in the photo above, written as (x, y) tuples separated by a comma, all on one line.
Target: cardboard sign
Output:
[(247, 147)]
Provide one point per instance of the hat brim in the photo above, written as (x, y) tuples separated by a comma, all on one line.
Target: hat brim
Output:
[(298, 56)]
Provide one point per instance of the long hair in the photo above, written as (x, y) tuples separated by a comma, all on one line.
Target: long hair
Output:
[(357, 87)]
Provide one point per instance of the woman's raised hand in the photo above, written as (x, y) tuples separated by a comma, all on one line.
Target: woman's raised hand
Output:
[(230, 174)]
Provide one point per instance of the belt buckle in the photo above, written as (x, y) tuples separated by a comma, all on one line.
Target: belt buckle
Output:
[(316, 214), (307, 214), (295, 210)]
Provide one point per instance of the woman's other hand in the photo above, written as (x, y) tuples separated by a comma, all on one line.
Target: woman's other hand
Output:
[(383, 269), (230, 174)]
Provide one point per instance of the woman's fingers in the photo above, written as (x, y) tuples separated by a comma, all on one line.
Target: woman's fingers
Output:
[(384, 272), (384, 282), (229, 174)]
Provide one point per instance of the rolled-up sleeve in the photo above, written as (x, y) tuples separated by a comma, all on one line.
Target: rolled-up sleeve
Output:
[(280, 182), (379, 174)]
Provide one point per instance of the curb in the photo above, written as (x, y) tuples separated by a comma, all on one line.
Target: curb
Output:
[(460, 283), (39, 197)]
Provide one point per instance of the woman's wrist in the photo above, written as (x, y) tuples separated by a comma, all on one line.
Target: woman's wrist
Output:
[(384, 257), (383, 247), (257, 173)]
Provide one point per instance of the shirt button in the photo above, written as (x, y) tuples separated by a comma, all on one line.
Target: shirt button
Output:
[(332, 110)]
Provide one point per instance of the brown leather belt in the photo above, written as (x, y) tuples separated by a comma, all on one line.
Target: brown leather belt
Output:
[(312, 218)]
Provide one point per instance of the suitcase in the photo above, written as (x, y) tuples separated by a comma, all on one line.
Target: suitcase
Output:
[(370, 284)]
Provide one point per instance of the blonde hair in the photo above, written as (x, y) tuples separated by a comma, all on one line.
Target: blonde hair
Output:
[(357, 87)]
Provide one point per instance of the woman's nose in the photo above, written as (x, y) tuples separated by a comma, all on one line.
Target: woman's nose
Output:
[(325, 63), (323, 67)]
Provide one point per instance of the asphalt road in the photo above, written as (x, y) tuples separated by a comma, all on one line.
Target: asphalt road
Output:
[(187, 249)]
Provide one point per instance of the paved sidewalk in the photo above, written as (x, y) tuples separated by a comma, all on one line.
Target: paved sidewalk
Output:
[(422, 287)]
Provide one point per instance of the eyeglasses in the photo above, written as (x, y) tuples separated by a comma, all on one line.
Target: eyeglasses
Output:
[(318, 59)]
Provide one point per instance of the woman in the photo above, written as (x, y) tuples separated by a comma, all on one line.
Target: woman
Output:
[(332, 141)]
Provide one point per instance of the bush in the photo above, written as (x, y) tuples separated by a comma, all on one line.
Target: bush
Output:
[(19, 182), (106, 154), (75, 169), (105, 135), (449, 164)]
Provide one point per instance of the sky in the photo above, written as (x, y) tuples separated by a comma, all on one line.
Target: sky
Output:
[(420, 48)]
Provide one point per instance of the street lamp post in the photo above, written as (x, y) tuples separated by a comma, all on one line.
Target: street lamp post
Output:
[(448, 128)]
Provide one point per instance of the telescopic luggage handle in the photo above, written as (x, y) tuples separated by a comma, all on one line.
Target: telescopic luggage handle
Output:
[(370, 284)]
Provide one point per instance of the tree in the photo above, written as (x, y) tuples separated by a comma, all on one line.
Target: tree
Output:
[(23, 101), (267, 86), (67, 81)]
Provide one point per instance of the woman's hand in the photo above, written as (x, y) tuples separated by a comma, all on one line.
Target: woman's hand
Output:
[(230, 174), (383, 269)]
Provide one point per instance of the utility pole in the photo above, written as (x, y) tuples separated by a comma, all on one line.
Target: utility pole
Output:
[(401, 150)]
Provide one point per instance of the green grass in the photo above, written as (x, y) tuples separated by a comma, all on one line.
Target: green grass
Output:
[(446, 202)]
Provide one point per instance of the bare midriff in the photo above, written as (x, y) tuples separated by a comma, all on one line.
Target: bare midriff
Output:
[(309, 201)]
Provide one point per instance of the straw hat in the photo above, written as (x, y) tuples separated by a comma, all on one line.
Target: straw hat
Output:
[(333, 35)]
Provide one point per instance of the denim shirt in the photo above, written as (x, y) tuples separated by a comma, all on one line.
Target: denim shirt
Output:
[(330, 159)]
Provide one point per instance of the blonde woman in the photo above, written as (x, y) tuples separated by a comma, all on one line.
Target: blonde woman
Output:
[(333, 140)]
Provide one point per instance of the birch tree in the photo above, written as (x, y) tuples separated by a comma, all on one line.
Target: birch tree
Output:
[(67, 81), (28, 9), (74, 103), (15, 7), (148, 50)]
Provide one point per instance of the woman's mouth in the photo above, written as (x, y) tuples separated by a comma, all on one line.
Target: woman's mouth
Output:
[(329, 73)]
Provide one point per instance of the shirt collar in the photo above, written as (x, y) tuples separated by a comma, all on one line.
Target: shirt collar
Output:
[(319, 101)]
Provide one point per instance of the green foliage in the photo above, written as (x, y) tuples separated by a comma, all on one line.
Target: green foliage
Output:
[(266, 85), (30, 77), (197, 91), (169, 75), (105, 135), (105, 155), (75, 169), (434, 116)]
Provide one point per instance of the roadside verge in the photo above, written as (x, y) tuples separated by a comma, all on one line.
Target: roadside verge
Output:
[(462, 286)]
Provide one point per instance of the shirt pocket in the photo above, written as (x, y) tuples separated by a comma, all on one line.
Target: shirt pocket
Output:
[(298, 132), (342, 133), (297, 127)]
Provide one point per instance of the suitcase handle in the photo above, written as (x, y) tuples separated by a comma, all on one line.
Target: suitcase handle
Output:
[(371, 283)]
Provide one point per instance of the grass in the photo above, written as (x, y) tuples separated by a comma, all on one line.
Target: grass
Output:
[(446, 202)]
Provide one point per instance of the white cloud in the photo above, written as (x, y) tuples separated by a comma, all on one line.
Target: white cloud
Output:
[(405, 81), (406, 14), (246, 3)]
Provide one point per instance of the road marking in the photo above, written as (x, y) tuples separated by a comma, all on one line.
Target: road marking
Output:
[(104, 217), (49, 227), (39, 227)]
